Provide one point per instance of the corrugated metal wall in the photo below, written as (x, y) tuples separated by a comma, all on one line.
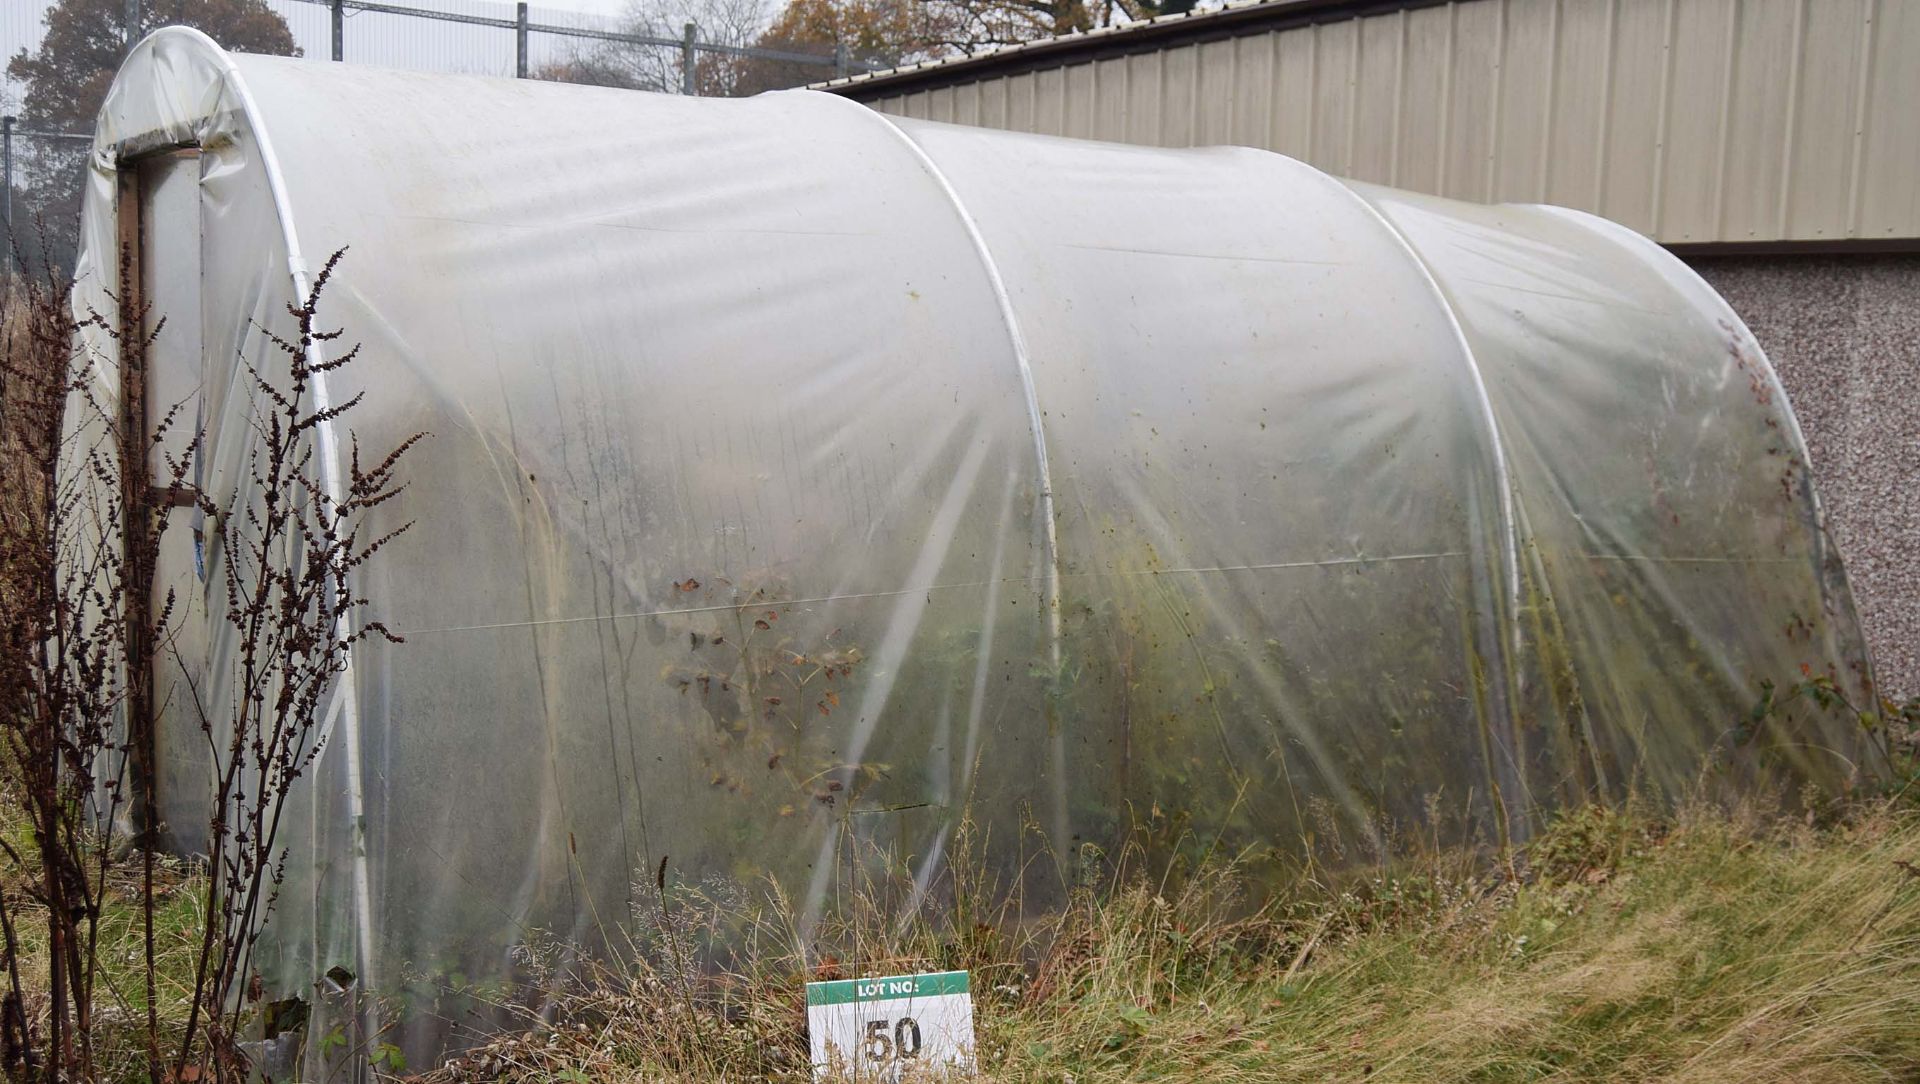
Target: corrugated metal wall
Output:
[(1690, 120)]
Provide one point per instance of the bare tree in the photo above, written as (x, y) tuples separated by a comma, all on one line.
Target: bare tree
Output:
[(658, 68), (966, 27), (869, 34)]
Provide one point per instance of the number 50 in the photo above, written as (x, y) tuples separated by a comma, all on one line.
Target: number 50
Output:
[(903, 1043)]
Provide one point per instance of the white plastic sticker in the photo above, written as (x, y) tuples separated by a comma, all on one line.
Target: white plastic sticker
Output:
[(900, 1027)]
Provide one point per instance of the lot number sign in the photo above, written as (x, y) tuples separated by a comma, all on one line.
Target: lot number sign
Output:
[(901, 1027)]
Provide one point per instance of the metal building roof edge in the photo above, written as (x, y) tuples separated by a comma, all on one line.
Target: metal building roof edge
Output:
[(1233, 20)]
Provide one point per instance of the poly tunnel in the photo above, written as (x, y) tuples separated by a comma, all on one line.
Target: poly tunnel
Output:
[(804, 480)]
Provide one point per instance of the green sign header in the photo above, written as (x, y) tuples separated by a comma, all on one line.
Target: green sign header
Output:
[(847, 991)]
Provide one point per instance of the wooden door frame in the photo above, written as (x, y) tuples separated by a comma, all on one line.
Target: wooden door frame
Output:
[(142, 507)]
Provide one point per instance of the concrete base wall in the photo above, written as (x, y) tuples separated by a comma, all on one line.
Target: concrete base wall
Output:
[(1844, 333)]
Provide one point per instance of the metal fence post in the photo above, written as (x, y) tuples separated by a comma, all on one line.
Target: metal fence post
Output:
[(339, 32), (132, 15), (520, 40), (840, 65), (687, 84), (6, 153)]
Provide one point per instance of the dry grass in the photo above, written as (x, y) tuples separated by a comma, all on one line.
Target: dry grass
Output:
[(1713, 946), (179, 916)]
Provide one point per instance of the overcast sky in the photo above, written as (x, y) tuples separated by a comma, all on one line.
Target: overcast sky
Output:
[(596, 7)]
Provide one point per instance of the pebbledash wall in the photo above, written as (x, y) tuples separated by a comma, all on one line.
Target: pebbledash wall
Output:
[(1844, 333), (1773, 144)]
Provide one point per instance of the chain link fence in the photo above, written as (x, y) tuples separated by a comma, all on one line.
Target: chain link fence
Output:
[(44, 171), (498, 38), (44, 174)]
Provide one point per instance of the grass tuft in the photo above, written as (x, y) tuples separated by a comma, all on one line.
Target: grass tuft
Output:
[(1709, 946)]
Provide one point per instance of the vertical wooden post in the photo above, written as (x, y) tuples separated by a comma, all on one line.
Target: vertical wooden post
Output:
[(6, 189), (136, 524)]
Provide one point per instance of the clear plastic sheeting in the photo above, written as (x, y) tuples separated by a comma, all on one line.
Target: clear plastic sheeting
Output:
[(803, 480)]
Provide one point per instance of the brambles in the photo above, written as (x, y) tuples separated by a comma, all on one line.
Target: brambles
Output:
[(1891, 728), (767, 681)]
